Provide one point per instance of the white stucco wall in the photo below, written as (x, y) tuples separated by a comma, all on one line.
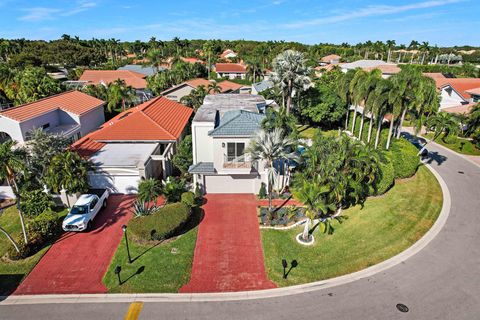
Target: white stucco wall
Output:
[(179, 93), (450, 98), (202, 142), (12, 128), (92, 120), (51, 118)]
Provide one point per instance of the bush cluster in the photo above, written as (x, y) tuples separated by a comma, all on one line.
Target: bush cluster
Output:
[(404, 158), (162, 224), (188, 198), (44, 228), (35, 202), (386, 179)]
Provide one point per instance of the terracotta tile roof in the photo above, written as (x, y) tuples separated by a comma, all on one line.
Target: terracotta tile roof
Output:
[(159, 119), (229, 86), (75, 102), (461, 85), (198, 82), (230, 67), (475, 91), (227, 52), (385, 68), (466, 108), (192, 60), (131, 78), (330, 57), (434, 75)]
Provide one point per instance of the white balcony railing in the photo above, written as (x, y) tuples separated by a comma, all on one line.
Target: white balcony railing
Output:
[(241, 162)]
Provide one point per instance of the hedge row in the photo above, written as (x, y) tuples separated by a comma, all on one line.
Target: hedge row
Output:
[(162, 224)]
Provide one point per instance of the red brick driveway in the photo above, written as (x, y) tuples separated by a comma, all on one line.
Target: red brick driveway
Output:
[(228, 254), (77, 262)]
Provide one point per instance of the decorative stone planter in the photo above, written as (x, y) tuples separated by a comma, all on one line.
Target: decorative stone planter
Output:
[(302, 242)]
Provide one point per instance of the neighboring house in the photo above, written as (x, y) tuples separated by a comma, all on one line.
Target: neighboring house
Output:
[(261, 86), (228, 54), (387, 69), (221, 131), (231, 70), (137, 144), (458, 95), (330, 59), (72, 114), (147, 71), (134, 79), (434, 75), (192, 60), (177, 92)]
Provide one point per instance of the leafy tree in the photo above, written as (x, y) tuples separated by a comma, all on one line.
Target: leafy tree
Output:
[(173, 189), (183, 159), (322, 106), (98, 91), (12, 165), (280, 119), (195, 98), (119, 94), (35, 202), (156, 58), (34, 84), (473, 121), (68, 170), (441, 123)]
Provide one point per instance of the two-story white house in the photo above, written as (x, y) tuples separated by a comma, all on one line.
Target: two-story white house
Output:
[(221, 131), (72, 114)]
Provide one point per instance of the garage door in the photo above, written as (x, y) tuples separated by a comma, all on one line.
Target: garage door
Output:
[(115, 183), (230, 184)]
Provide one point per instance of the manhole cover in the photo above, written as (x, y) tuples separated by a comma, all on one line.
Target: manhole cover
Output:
[(402, 308)]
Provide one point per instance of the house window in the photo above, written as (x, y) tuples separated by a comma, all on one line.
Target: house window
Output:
[(235, 151), (476, 98), (46, 126)]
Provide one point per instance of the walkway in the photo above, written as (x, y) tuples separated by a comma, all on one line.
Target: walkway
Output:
[(77, 262), (228, 254)]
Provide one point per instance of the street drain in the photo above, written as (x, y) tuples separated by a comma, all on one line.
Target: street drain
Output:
[(402, 308), (461, 172)]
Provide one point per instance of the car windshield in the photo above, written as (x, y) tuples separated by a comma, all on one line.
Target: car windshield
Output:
[(79, 210)]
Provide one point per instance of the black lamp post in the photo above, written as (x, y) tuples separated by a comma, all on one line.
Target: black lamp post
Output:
[(118, 269), (293, 264), (124, 228)]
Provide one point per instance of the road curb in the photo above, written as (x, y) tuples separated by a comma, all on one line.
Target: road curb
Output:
[(249, 295)]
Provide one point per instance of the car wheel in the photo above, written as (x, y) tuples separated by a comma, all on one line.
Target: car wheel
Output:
[(89, 226)]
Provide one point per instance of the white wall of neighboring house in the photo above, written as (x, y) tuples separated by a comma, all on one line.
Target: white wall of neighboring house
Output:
[(450, 98), (202, 142), (231, 75), (178, 93), (91, 120), (12, 128), (117, 180)]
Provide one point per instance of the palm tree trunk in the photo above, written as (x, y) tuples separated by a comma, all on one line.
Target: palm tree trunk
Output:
[(346, 118), (10, 238), (13, 184), (306, 230), (390, 131), (354, 119), (289, 98), (379, 129), (362, 121), (370, 127), (399, 131)]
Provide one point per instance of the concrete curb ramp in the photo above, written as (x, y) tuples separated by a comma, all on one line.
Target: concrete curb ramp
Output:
[(249, 295)]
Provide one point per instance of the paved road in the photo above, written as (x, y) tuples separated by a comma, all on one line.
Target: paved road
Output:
[(440, 282)]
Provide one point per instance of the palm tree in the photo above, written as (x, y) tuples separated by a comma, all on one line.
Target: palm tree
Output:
[(12, 163), (473, 121), (148, 191), (390, 46), (254, 67), (68, 171), (291, 74), (208, 50), (380, 105), (425, 48), (441, 123), (357, 94), (156, 58), (413, 46), (365, 90), (214, 88), (120, 94), (345, 93), (195, 98), (270, 147)]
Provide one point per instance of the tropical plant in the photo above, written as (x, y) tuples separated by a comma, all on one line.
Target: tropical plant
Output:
[(148, 192), (173, 189), (271, 148), (290, 72), (33, 84), (441, 123), (214, 88), (119, 94), (195, 98), (473, 121), (156, 58), (35, 202), (68, 171), (183, 158)]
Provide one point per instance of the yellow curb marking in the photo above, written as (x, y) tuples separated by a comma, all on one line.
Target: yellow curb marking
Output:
[(134, 311)]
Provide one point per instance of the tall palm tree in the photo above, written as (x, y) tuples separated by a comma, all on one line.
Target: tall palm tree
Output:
[(119, 93), (156, 59), (413, 46), (390, 46), (291, 73), (380, 105), (473, 121), (365, 90), (356, 92), (425, 48), (214, 88), (269, 147), (345, 92), (12, 163)]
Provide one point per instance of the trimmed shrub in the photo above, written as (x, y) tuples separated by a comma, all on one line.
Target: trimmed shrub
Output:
[(188, 198), (25, 250), (173, 189), (162, 224), (404, 158), (386, 179), (44, 227), (262, 193), (35, 202)]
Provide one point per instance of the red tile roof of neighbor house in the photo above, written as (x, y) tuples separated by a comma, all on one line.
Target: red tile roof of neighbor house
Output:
[(131, 78), (227, 52), (225, 85), (229, 86), (330, 57), (461, 85), (475, 91), (197, 82), (159, 119), (385, 68), (434, 75), (230, 67), (192, 60), (75, 102)]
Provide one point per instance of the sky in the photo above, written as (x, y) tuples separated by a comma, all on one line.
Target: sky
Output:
[(440, 22)]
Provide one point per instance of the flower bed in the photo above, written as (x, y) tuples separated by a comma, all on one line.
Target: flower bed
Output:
[(283, 216)]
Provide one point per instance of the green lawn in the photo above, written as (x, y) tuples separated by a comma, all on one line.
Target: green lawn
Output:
[(13, 272), (161, 267), (386, 226), (456, 144), (307, 132)]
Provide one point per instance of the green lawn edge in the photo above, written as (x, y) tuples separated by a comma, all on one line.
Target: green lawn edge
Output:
[(386, 226), (462, 146)]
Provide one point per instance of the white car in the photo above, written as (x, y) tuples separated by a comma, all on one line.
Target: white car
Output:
[(81, 215)]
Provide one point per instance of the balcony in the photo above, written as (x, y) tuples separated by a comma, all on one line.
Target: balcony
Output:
[(241, 163)]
